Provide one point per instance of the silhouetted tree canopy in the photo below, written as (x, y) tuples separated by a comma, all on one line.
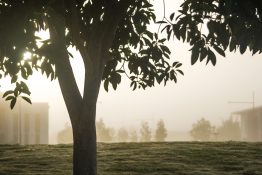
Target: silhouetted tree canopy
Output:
[(113, 40), (116, 28), (214, 26)]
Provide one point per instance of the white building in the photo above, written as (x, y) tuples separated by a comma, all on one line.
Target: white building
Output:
[(251, 124), (25, 124)]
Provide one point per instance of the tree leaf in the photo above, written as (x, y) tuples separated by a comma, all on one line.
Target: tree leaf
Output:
[(194, 54), (211, 57), (27, 99), (172, 16), (106, 83), (243, 48), (13, 102), (180, 71), (7, 93), (9, 98), (14, 79), (219, 50)]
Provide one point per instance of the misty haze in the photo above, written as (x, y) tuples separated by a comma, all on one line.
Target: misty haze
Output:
[(194, 110)]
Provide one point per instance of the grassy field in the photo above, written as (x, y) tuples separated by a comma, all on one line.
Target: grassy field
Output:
[(176, 158)]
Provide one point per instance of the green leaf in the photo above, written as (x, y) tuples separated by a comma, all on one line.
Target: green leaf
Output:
[(14, 79), (160, 78), (23, 73), (24, 88), (7, 93), (180, 71), (106, 83), (161, 22), (174, 64), (232, 45), (9, 98), (178, 65), (203, 54), (211, 57), (243, 48), (172, 16), (27, 99), (134, 83), (13, 102), (176, 31), (194, 54), (219, 50)]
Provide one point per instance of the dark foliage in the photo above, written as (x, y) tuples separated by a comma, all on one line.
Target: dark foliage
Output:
[(214, 26)]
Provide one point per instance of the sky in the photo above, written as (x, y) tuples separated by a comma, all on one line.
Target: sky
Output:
[(203, 92)]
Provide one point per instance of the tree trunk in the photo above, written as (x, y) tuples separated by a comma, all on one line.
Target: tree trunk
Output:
[(84, 128), (84, 148), (82, 111)]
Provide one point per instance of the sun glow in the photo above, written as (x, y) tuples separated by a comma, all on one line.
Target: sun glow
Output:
[(27, 55)]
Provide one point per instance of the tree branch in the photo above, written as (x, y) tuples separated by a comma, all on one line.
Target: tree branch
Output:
[(113, 15), (68, 85), (75, 29)]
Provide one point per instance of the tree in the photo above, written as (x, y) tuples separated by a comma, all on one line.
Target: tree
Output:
[(145, 132), (229, 130), (161, 132), (201, 130), (65, 136), (122, 135), (214, 26), (104, 134), (133, 136), (111, 36)]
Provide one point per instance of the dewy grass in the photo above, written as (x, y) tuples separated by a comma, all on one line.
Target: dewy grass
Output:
[(180, 158)]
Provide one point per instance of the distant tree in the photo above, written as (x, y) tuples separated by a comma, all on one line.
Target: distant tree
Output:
[(2, 137), (202, 130), (122, 135), (65, 136), (133, 136), (104, 134), (161, 132), (229, 130), (145, 132)]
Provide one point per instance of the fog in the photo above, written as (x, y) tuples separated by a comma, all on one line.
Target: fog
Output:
[(203, 92)]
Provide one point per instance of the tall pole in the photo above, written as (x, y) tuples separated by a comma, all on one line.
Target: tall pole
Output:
[(253, 100), (20, 123), (246, 102)]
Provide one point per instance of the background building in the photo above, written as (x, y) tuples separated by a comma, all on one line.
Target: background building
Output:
[(250, 123), (25, 124)]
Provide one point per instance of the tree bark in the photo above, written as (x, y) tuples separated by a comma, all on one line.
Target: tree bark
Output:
[(82, 110), (84, 128), (84, 148)]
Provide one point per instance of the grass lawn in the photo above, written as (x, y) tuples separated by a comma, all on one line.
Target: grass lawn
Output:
[(170, 158)]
